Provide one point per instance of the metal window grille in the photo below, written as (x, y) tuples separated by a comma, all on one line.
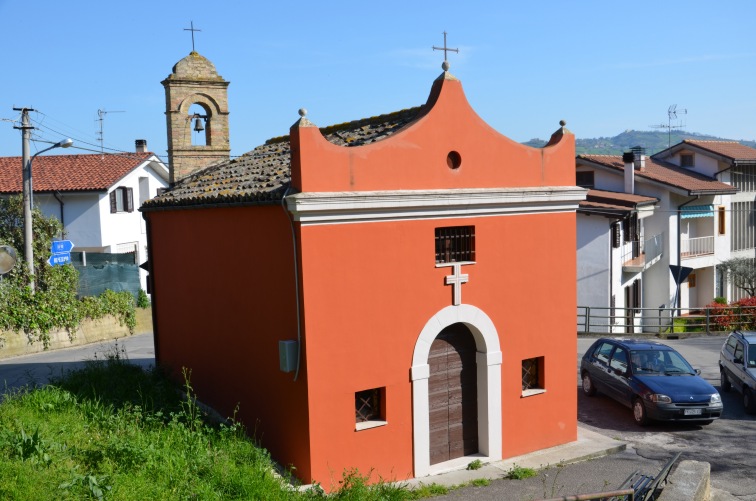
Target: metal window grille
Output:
[(367, 405), (455, 244), (686, 160), (530, 374)]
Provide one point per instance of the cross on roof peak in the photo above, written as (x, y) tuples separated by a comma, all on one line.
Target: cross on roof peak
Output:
[(192, 29), (445, 64)]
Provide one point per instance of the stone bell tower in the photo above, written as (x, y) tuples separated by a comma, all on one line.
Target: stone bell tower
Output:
[(195, 81)]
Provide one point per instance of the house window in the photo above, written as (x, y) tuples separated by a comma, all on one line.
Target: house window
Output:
[(584, 179), (686, 160), (691, 280), (721, 220), (370, 409), (455, 244), (122, 200), (532, 376)]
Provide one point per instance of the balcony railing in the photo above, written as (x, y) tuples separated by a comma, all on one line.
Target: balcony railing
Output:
[(638, 258), (693, 247)]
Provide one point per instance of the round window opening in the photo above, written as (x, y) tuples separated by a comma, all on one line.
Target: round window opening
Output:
[(453, 160)]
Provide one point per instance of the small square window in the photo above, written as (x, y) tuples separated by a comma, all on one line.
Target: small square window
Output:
[(370, 408), (532, 376), (584, 179), (687, 160), (455, 244)]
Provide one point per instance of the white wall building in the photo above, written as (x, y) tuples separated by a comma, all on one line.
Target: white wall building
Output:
[(95, 196), (681, 228)]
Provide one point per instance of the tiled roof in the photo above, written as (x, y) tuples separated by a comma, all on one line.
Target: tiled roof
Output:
[(729, 149), (263, 174), (69, 172), (665, 173), (613, 202)]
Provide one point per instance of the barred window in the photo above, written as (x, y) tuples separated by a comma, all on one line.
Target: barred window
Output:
[(368, 405), (455, 244), (687, 160), (532, 374)]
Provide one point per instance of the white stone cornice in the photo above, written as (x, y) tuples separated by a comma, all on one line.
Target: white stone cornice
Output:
[(348, 207)]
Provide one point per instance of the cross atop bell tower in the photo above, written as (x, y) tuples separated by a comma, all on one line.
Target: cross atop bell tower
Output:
[(194, 81)]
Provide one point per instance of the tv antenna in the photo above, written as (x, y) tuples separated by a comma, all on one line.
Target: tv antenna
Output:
[(101, 118), (672, 112)]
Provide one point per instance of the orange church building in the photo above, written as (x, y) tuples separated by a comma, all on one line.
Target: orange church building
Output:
[(395, 294)]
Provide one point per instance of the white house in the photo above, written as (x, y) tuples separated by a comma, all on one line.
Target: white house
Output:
[(735, 164), (685, 228), (95, 196)]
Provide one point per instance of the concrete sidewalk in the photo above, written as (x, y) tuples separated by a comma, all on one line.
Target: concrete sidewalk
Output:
[(589, 445)]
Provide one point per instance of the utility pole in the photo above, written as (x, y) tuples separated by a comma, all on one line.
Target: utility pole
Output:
[(27, 191)]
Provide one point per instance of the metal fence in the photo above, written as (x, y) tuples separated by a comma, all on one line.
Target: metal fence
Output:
[(657, 321)]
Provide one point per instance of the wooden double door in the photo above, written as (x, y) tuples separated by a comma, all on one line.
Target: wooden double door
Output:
[(453, 395)]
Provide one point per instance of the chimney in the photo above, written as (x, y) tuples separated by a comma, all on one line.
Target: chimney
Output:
[(628, 158), (141, 145), (640, 158)]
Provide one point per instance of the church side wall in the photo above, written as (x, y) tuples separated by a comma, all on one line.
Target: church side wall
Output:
[(224, 296)]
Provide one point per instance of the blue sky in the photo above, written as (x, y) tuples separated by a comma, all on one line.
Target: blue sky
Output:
[(602, 66)]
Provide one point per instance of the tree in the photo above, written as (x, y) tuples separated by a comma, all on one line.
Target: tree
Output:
[(742, 272), (44, 230)]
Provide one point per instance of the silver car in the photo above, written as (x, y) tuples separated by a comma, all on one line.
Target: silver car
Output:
[(737, 367)]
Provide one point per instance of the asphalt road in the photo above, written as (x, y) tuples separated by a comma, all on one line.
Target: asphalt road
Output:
[(726, 444)]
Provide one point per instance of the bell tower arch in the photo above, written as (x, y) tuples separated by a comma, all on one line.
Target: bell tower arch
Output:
[(194, 81)]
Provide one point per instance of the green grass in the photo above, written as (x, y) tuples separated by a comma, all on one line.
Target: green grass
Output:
[(115, 431)]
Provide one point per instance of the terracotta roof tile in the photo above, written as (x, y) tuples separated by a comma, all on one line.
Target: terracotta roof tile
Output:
[(729, 149), (665, 173), (69, 172), (263, 174)]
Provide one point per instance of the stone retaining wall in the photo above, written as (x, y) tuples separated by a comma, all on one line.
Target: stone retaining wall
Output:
[(13, 344)]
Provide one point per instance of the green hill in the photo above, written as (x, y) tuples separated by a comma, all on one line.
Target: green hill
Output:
[(653, 141)]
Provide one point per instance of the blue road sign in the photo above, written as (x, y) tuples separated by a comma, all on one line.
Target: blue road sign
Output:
[(59, 246), (59, 258)]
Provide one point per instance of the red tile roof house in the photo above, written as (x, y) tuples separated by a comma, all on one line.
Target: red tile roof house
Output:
[(95, 196), (735, 164), (371, 294), (671, 216)]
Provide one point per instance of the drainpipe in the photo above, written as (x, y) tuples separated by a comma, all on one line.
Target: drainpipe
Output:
[(62, 221), (679, 244), (296, 279)]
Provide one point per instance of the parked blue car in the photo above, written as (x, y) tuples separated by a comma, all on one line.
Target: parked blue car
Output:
[(651, 378)]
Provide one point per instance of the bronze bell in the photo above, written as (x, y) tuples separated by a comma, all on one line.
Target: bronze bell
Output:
[(198, 127)]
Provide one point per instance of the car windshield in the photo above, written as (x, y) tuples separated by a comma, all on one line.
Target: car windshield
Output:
[(752, 355), (659, 362)]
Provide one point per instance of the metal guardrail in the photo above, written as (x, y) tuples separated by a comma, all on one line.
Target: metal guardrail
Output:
[(637, 487), (660, 321)]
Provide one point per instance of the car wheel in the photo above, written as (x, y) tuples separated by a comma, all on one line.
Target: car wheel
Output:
[(588, 387), (639, 412), (724, 383), (748, 401)]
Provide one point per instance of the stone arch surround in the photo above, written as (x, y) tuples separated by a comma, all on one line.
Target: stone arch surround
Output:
[(489, 384)]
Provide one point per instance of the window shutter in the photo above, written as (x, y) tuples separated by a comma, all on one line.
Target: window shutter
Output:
[(113, 206), (129, 199), (616, 235)]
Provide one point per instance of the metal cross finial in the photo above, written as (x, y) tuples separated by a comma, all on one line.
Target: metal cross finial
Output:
[(445, 49), (192, 29)]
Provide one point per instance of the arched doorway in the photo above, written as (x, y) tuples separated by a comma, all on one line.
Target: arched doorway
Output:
[(488, 381), (453, 395)]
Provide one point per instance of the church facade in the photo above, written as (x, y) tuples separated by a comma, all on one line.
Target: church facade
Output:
[(395, 294)]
